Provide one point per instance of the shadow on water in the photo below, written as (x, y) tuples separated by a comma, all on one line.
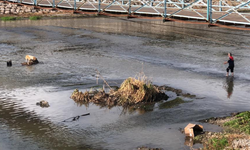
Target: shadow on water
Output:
[(180, 27), (229, 86), (139, 108)]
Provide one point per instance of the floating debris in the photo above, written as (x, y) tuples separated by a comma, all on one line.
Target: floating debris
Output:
[(191, 130), (71, 119), (147, 148)]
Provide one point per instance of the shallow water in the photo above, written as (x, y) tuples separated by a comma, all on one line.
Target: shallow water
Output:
[(185, 56)]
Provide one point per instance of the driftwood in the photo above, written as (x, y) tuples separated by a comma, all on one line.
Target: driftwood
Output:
[(71, 119)]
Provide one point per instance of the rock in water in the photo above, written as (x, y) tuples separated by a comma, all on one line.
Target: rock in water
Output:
[(9, 63), (43, 103)]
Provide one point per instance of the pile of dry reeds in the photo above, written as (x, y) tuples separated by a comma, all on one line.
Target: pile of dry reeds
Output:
[(135, 90), (132, 91)]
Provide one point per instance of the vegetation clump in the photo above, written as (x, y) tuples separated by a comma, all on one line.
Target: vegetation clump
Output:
[(241, 122), (131, 92), (8, 18), (235, 135), (35, 17), (218, 143)]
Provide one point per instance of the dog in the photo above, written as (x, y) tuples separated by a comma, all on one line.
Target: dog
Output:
[(31, 59)]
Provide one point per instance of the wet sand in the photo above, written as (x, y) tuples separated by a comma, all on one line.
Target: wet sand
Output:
[(185, 56)]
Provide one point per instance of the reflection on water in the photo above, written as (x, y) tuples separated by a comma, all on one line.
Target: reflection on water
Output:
[(229, 86), (138, 108)]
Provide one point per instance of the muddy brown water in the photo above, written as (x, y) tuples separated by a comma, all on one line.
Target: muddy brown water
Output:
[(185, 56)]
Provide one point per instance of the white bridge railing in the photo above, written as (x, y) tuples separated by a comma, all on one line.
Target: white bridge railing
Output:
[(213, 11)]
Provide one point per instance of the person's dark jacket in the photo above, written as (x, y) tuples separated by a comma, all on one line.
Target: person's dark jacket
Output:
[(231, 62)]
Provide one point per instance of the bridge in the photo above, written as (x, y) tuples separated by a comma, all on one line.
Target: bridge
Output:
[(236, 12)]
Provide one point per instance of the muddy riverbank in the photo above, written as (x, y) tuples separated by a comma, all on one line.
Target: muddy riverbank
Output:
[(71, 50)]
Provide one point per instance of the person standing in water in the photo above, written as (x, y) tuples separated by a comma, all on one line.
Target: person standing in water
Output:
[(231, 64)]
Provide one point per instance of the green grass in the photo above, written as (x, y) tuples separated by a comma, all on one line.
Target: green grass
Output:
[(8, 18), (242, 122), (218, 144), (35, 17)]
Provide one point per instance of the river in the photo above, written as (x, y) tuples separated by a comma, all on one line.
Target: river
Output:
[(185, 56)]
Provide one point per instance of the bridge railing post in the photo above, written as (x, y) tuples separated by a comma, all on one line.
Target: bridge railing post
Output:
[(99, 6), (129, 8), (74, 5), (165, 11), (53, 4), (209, 11), (35, 2), (220, 8)]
